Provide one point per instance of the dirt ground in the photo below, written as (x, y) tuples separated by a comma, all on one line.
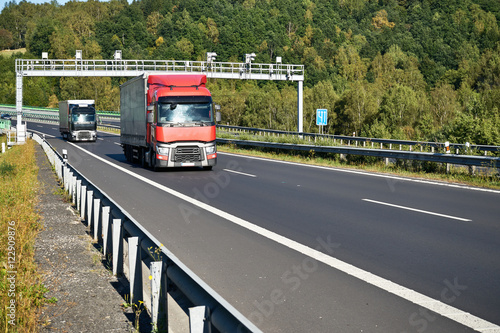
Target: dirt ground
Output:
[(86, 296)]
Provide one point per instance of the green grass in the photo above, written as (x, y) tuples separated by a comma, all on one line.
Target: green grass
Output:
[(9, 53), (19, 225)]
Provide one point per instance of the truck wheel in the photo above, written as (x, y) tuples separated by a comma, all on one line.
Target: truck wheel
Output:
[(142, 158), (128, 153), (153, 162)]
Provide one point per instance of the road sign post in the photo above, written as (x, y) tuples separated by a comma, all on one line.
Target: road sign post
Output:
[(321, 118)]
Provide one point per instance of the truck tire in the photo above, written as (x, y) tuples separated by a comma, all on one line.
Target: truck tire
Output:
[(128, 153), (153, 162), (142, 157)]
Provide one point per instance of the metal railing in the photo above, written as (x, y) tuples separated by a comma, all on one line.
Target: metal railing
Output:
[(365, 142), (483, 161), (99, 67), (130, 246)]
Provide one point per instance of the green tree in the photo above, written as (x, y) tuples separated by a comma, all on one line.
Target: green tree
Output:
[(39, 40), (362, 102), (444, 104), (6, 40)]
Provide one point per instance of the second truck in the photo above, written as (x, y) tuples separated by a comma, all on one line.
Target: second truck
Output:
[(168, 121), (77, 120)]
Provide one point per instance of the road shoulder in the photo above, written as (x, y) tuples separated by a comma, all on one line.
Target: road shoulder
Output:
[(88, 295)]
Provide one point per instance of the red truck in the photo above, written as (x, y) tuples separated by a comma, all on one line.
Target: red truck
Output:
[(168, 121)]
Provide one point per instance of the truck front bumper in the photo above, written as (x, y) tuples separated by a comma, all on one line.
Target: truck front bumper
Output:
[(187, 154)]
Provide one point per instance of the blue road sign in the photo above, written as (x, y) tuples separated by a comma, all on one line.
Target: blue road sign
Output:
[(321, 117)]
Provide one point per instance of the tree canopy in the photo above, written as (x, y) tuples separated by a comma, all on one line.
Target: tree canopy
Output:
[(423, 69)]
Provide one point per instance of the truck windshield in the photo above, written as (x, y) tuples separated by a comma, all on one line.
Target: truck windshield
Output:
[(83, 118), (184, 113)]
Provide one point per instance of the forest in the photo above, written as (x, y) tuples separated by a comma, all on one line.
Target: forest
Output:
[(402, 69)]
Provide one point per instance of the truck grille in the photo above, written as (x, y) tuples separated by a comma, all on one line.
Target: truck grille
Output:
[(84, 135), (187, 154)]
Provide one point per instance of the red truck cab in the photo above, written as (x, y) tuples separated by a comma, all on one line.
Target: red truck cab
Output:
[(179, 122)]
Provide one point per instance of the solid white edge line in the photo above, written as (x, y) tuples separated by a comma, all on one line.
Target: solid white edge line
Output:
[(371, 174), (439, 307), (417, 210), (240, 173)]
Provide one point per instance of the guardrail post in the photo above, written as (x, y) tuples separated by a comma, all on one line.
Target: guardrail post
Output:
[(69, 177), (72, 184), (105, 229), (90, 201), (135, 270), (78, 193), (97, 206), (199, 319), (117, 247), (63, 175), (158, 297), (73, 190), (83, 201)]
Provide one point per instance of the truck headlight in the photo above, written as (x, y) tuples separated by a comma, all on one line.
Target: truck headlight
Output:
[(211, 150), (162, 151)]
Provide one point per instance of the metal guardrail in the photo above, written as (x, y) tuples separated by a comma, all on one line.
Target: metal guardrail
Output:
[(365, 141), (384, 153), (129, 244)]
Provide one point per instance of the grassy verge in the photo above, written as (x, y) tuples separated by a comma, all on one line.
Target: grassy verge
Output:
[(9, 53), (415, 169), (20, 291)]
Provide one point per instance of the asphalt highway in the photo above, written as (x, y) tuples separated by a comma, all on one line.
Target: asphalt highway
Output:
[(297, 248)]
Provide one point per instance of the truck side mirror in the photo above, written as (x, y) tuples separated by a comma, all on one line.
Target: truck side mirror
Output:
[(217, 112), (151, 117)]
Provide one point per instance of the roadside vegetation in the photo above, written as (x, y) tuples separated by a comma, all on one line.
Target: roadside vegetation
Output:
[(417, 70), (19, 225)]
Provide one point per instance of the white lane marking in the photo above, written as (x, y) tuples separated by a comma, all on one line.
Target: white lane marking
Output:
[(358, 172), (418, 210), (240, 173), (117, 143), (108, 133), (421, 300), (100, 139)]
